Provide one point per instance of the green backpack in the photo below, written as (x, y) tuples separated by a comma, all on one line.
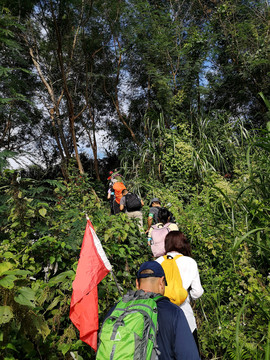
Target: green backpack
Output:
[(129, 333)]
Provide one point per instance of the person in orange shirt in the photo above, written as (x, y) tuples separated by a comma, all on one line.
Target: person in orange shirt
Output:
[(118, 187)]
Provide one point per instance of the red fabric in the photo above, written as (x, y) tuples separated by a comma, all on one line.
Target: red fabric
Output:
[(118, 187), (84, 301)]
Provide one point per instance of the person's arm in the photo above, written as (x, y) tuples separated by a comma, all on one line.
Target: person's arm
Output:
[(150, 221), (109, 194), (142, 203), (196, 287), (149, 237), (184, 343), (122, 203)]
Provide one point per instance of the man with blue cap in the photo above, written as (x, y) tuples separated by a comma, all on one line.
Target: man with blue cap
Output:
[(174, 338)]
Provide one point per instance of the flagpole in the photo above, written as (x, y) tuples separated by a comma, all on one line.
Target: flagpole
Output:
[(117, 285), (111, 271)]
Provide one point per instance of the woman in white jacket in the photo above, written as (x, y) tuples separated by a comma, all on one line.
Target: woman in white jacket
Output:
[(176, 243)]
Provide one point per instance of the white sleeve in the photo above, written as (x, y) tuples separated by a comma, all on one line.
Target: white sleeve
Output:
[(196, 287), (173, 227), (160, 259)]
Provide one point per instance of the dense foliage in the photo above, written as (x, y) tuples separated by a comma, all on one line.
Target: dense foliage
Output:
[(226, 220), (180, 91)]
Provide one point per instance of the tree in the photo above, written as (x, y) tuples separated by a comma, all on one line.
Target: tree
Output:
[(18, 113), (239, 58)]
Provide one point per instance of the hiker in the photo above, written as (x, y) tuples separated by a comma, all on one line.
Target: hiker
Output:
[(158, 232), (176, 243), (110, 195), (153, 211), (113, 174), (132, 205), (131, 325), (155, 205), (118, 187)]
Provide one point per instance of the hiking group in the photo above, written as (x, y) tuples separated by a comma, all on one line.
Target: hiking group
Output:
[(156, 321), (123, 200)]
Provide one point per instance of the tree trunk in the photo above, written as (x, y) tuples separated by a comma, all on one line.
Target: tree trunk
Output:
[(115, 98), (70, 104), (93, 144), (75, 146)]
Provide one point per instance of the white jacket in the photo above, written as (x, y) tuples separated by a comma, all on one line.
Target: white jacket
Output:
[(191, 279)]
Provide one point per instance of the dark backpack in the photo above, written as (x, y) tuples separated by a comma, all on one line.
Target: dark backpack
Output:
[(133, 203), (154, 210), (130, 331), (172, 218)]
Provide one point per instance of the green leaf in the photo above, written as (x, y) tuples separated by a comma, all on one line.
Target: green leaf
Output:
[(18, 272), (266, 101), (42, 212), (12, 347), (122, 252), (26, 296), (8, 255), (54, 303), (223, 194), (238, 241), (61, 277), (5, 266), (64, 348), (41, 326), (52, 259), (8, 281), (6, 314), (16, 223)]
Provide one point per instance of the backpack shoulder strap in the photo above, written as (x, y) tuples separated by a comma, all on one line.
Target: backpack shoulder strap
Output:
[(166, 257), (140, 294), (167, 224), (177, 256), (159, 297), (159, 226)]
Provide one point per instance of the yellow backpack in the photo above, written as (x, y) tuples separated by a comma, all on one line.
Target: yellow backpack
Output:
[(174, 290)]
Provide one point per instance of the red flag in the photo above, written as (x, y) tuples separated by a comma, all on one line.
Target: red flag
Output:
[(93, 266)]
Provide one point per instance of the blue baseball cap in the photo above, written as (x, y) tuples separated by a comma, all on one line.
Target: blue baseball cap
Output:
[(155, 267)]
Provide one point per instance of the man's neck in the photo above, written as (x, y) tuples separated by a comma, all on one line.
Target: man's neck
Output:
[(149, 292)]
